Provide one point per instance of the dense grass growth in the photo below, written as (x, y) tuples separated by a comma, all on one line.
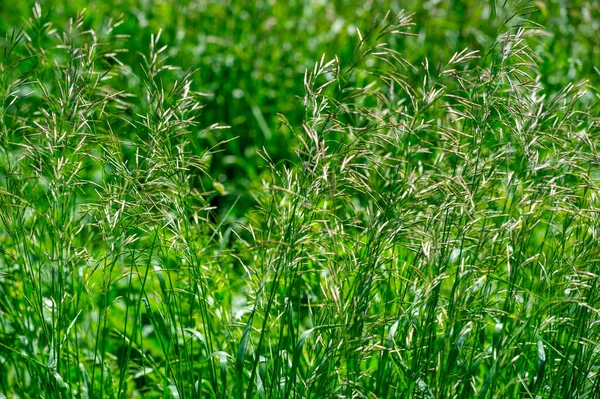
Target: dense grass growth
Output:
[(414, 213)]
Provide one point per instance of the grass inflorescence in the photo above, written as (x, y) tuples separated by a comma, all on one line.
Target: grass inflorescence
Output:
[(406, 221)]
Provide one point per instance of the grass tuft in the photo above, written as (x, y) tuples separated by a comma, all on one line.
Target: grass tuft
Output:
[(420, 220)]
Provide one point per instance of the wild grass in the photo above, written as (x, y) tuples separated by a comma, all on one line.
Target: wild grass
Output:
[(432, 234)]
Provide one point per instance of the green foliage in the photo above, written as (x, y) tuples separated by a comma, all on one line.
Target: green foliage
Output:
[(299, 199)]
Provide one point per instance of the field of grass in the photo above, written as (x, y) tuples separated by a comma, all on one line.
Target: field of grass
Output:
[(300, 199)]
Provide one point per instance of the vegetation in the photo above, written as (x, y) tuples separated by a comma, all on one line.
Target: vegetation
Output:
[(300, 200)]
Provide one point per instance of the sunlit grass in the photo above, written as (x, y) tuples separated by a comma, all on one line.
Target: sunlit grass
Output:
[(430, 230)]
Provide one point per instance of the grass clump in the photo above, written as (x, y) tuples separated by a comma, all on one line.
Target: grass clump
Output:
[(429, 230)]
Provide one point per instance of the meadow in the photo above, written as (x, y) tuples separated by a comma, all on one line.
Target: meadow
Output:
[(301, 199)]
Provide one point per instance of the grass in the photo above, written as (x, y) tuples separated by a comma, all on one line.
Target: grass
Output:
[(412, 214)]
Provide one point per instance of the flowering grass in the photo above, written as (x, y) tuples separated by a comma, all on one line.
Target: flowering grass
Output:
[(399, 221)]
